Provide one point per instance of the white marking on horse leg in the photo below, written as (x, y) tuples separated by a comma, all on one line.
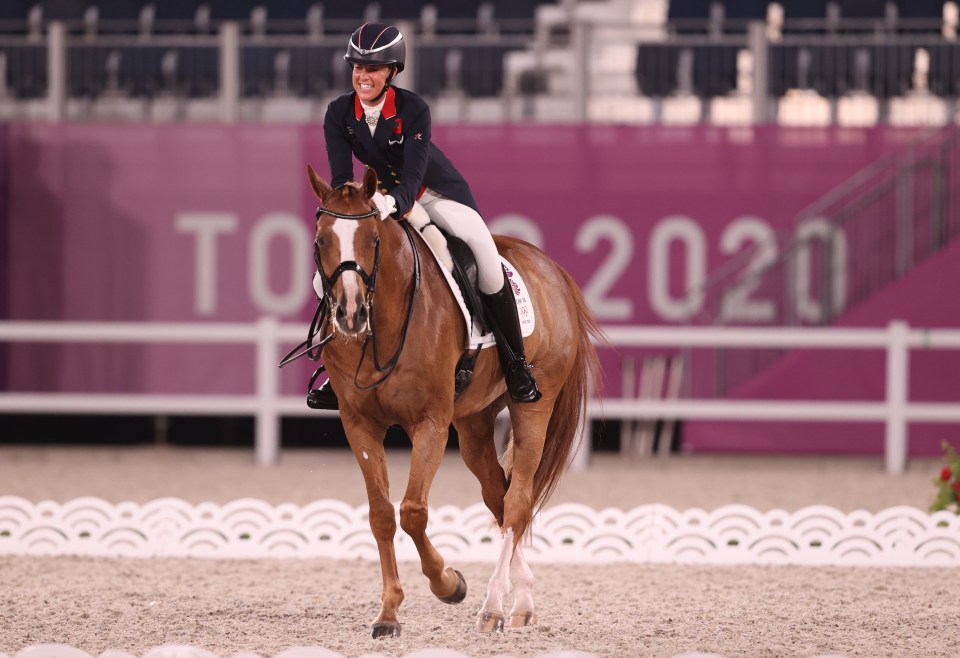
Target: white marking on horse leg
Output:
[(524, 613), (498, 587)]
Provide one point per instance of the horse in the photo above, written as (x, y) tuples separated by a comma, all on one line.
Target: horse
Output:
[(417, 323)]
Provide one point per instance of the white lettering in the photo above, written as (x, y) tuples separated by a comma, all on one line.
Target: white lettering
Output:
[(617, 233), (206, 226), (292, 230), (689, 233), (833, 268), (737, 306)]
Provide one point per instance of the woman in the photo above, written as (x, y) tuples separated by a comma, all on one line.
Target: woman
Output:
[(388, 128)]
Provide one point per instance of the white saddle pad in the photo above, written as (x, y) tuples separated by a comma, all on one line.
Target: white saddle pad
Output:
[(524, 305)]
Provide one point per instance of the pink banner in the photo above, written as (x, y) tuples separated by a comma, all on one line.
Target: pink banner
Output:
[(641, 215), (853, 375), (214, 222), (153, 223)]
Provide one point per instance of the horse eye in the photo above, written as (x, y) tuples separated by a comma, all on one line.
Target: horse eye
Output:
[(321, 241)]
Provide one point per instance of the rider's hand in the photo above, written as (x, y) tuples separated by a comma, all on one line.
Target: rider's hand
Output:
[(386, 204)]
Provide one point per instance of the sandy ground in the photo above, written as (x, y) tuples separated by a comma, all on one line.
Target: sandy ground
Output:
[(622, 610)]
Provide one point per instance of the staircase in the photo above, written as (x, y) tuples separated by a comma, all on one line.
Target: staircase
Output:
[(871, 231), (882, 245)]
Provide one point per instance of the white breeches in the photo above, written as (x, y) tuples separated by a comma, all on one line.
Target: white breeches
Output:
[(466, 223)]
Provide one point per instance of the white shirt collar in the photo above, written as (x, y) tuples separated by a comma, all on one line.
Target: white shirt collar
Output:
[(373, 110)]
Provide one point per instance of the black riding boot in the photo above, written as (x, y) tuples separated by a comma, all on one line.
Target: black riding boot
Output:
[(501, 310), (323, 397)]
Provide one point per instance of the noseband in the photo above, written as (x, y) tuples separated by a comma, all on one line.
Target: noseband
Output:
[(321, 317)]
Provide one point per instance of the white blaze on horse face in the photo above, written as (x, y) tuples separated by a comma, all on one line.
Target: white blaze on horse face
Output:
[(345, 230)]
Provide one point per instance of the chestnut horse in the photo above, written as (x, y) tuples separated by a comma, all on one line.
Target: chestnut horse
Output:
[(416, 334)]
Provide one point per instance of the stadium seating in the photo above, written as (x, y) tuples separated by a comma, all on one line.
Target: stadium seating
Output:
[(647, 60)]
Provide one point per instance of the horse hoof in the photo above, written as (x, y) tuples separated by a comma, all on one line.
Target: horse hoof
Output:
[(490, 623), (460, 593), (386, 629), (520, 619)]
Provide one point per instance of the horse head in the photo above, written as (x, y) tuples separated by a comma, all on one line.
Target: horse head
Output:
[(347, 249)]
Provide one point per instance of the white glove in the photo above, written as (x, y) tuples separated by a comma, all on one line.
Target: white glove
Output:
[(386, 204)]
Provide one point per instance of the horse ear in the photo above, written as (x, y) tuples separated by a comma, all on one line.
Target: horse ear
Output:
[(320, 187), (370, 182)]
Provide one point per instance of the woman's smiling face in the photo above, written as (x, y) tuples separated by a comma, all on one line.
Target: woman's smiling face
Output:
[(369, 80)]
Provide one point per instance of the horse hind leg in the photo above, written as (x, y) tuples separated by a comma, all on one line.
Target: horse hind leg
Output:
[(524, 613), (511, 570), (522, 460), (490, 618), (479, 452)]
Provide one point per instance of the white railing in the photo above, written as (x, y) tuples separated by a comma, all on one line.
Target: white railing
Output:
[(269, 405)]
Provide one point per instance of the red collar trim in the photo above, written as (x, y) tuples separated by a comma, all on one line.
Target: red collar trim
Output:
[(388, 111), (389, 105)]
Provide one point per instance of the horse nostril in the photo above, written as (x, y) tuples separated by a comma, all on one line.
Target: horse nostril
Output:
[(362, 316), (341, 315)]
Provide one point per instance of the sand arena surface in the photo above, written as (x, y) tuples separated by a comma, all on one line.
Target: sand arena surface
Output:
[(267, 606)]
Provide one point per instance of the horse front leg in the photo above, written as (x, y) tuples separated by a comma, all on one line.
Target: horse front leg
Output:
[(429, 440), (368, 450)]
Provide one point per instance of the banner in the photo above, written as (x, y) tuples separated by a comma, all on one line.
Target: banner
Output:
[(209, 222), (641, 215), (171, 223)]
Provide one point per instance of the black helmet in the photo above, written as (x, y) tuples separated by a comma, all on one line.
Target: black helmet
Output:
[(377, 43)]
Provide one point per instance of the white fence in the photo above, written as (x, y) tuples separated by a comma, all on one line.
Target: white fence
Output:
[(270, 338)]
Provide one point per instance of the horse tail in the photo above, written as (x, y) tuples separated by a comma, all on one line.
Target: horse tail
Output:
[(570, 409)]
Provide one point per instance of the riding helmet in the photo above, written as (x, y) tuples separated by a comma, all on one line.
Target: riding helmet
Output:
[(377, 43)]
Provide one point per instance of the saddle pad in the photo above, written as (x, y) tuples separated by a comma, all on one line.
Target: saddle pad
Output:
[(524, 305)]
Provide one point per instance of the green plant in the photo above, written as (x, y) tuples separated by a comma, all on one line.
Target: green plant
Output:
[(948, 484)]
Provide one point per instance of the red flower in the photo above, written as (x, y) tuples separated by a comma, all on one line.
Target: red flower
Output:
[(945, 474), (956, 487)]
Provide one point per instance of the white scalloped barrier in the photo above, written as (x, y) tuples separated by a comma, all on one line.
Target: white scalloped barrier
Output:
[(567, 533)]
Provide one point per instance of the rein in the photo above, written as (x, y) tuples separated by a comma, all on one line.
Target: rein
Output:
[(321, 317), (387, 369)]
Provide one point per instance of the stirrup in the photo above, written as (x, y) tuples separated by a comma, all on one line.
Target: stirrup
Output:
[(520, 382), (323, 398)]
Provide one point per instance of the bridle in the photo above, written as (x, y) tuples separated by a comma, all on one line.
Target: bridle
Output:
[(369, 280), (321, 317)]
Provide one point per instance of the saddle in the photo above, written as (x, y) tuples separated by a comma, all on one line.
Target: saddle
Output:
[(464, 271)]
